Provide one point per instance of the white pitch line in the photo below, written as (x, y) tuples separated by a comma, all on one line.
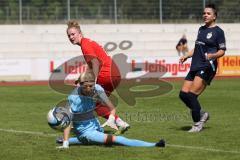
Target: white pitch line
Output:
[(168, 145), (29, 132), (203, 148)]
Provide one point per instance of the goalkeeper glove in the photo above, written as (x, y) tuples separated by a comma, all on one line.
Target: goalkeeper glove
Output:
[(110, 122), (64, 146)]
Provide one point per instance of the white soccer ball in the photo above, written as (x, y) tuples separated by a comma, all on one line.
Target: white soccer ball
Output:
[(59, 118)]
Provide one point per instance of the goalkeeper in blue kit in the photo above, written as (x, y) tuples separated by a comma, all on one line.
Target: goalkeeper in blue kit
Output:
[(86, 126)]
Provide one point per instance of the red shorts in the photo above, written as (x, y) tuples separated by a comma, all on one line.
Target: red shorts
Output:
[(109, 83)]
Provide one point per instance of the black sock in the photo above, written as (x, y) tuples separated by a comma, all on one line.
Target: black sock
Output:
[(195, 106), (185, 98)]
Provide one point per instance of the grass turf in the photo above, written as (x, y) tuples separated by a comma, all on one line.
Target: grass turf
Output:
[(24, 108)]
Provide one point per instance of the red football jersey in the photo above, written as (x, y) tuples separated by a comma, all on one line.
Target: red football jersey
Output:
[(92, 49)]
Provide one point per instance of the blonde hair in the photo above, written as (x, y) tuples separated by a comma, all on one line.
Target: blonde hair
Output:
[(74, 24), (86, 77)]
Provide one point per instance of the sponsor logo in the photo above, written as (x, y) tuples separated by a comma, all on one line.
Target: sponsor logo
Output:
[(209, 35), (222, 45)]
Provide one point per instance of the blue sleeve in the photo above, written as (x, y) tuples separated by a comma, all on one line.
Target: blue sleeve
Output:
[(72, 97), (99, 88), (101, 94)]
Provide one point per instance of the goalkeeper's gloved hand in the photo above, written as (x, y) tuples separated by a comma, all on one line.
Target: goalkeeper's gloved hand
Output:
[(65, 145), (110, 122)]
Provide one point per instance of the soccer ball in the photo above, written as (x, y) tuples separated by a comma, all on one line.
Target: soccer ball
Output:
[(59, 118)]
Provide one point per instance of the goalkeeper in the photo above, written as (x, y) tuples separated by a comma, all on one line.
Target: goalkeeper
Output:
[(86, 126)]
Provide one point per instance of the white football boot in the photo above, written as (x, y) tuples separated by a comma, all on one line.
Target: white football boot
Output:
[(204, 117), (122, 126), (197, 127)]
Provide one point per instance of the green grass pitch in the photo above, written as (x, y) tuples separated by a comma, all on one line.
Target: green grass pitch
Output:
[(25, 135)]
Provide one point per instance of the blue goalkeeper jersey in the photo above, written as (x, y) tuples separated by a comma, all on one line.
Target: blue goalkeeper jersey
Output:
[(82, 108)]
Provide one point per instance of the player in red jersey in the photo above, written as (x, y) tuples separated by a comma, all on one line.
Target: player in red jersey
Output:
[(103, 67)]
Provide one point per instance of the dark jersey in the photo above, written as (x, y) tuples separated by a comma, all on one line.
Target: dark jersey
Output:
[(209, 40)]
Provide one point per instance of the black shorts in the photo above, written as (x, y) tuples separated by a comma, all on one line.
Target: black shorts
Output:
[(206, 74)]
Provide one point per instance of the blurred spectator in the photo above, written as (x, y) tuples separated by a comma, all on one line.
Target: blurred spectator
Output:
[(182, 46)]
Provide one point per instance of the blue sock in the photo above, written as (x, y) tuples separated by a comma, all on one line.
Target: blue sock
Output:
[(96, 137), (74, 140), (133, 142)]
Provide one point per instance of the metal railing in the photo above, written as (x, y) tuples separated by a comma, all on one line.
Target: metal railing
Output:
[(113, 11)]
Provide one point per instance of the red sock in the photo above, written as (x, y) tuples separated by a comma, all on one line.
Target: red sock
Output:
[(103, 111)]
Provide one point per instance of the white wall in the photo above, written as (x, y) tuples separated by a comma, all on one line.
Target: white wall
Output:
[(49, 42), (30, 41)]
